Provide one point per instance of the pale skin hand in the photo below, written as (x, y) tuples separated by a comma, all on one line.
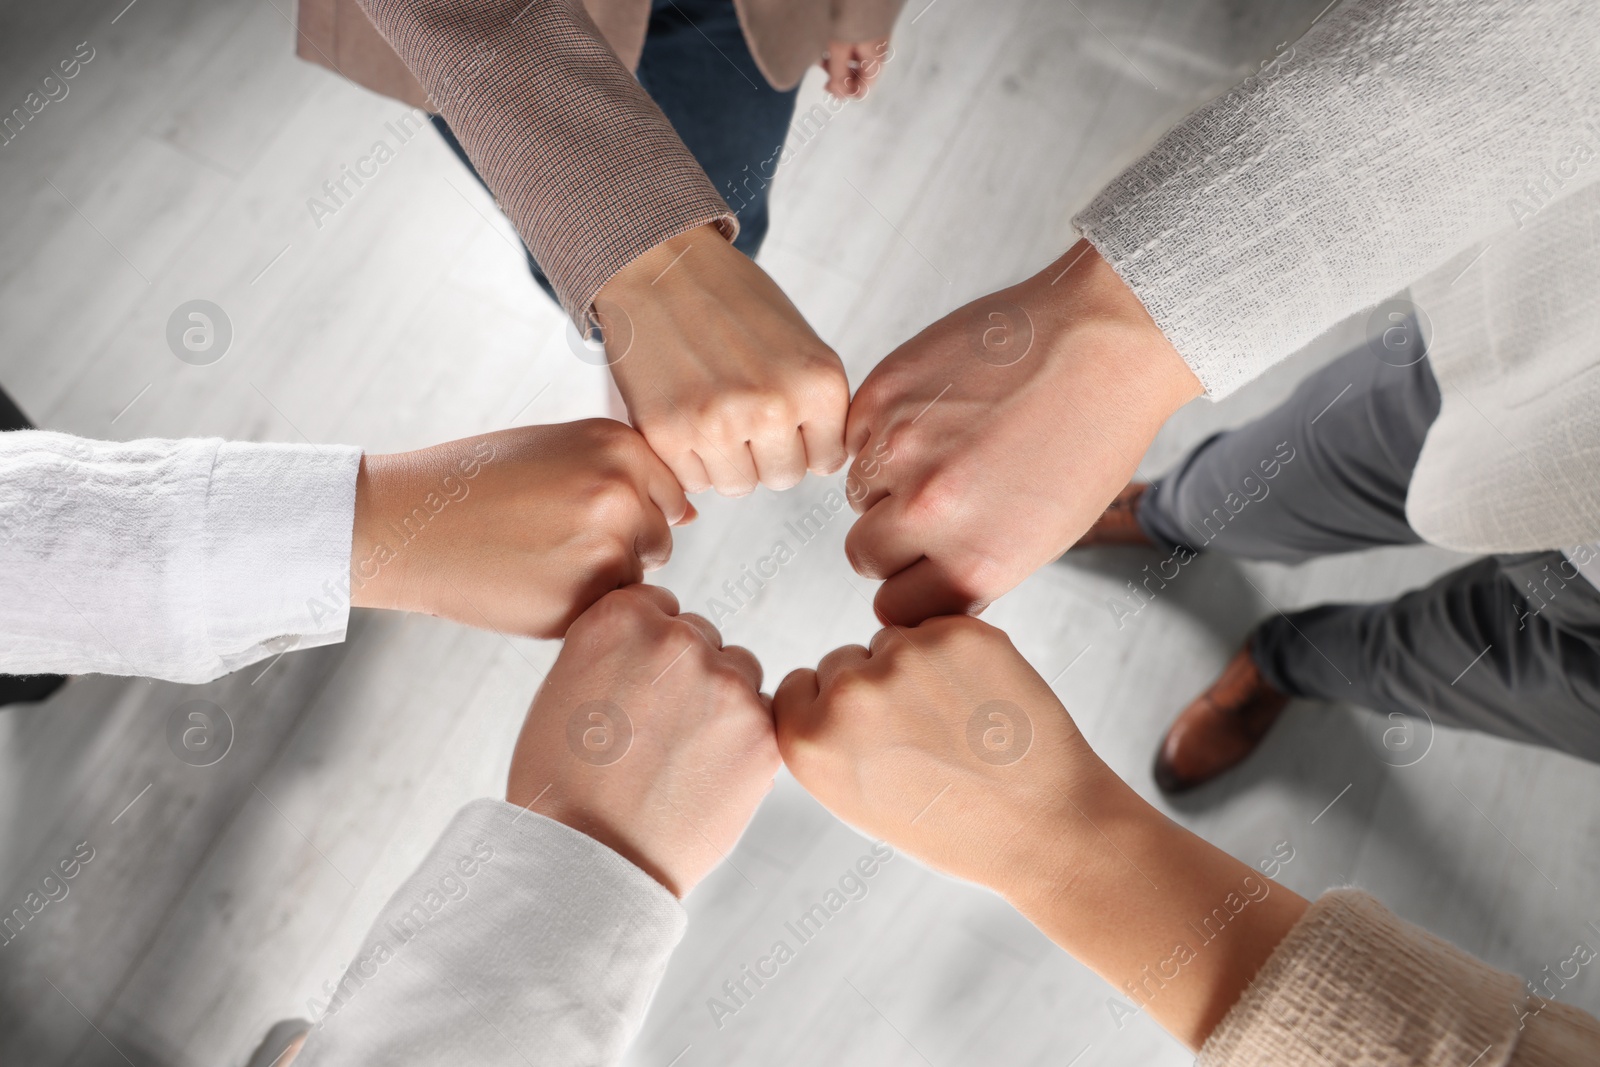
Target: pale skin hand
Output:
[(1005, 449), (517, 531), (701, 756), (881, 736), (720, 372), (853, 66)]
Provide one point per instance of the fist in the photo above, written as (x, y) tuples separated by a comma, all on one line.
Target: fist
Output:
[(1012, 423), (517, 531), (649, 736), (719, 370), (940, 740)]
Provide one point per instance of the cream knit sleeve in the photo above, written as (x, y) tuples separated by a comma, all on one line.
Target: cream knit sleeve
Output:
[(1353, 984), (1392, 135), (179, 560)]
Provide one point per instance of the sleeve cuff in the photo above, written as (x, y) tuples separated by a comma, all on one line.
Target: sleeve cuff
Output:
[(276, 548), (519, 940), (1352, 983)]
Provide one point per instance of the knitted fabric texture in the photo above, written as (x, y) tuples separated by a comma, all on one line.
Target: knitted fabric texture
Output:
[(1444, 145), (1353, 984)]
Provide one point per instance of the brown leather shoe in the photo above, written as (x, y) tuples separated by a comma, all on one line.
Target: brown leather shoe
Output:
[(1219, 728), (1119, 523)]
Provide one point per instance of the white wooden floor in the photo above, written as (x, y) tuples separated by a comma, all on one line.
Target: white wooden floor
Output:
[(219, 899)]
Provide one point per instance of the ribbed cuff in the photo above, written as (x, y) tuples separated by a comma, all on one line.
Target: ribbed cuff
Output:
[(1352, 983)]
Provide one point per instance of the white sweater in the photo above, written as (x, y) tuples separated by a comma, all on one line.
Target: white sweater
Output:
[(1449, 146)]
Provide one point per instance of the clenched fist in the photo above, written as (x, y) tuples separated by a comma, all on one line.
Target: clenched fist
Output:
[(517, 531), (941, 740), (1012, 421), (719, 370), (648, 736)]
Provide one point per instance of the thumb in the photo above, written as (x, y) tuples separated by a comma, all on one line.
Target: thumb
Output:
[(920, 592)]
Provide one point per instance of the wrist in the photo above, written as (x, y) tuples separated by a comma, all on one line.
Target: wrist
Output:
[(375, 567), (644, 273), (1090, 322), (591, 824), (1089, 808)]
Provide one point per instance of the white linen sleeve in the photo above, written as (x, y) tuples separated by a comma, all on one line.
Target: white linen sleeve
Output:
[(1394, 134), (179, 560), (517, 941)]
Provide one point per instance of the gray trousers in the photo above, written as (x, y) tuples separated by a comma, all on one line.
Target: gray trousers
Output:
[(1509, 645)]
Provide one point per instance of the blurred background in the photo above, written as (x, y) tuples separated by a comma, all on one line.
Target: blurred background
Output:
[(181, 164)]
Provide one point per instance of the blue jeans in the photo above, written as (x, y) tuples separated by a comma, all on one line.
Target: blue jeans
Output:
[(699, 70)]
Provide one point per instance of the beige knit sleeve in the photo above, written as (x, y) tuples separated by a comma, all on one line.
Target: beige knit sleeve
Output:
[(577, 154), (1354, 984)]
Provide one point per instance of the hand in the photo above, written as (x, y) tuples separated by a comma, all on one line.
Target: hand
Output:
[(719, 371), (1012, 422), (942, 741), (518, 531), (648, 736), (853, 66)]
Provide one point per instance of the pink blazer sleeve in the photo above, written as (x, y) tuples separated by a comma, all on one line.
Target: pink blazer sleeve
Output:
[(577, 154)]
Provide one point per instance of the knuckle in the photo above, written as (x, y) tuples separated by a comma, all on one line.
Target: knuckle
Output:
[(613, 503), (932, 504), (610, 435), (726, 681), (848, 691), (618, 608), (825, 384), (985, 577)]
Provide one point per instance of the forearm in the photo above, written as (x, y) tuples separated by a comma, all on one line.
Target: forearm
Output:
[(577, 154), (1176, 925), (1384, 141), (180, 560)]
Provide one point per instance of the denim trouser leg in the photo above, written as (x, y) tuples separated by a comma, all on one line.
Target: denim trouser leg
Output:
[(1507, 645), (699, 70)]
